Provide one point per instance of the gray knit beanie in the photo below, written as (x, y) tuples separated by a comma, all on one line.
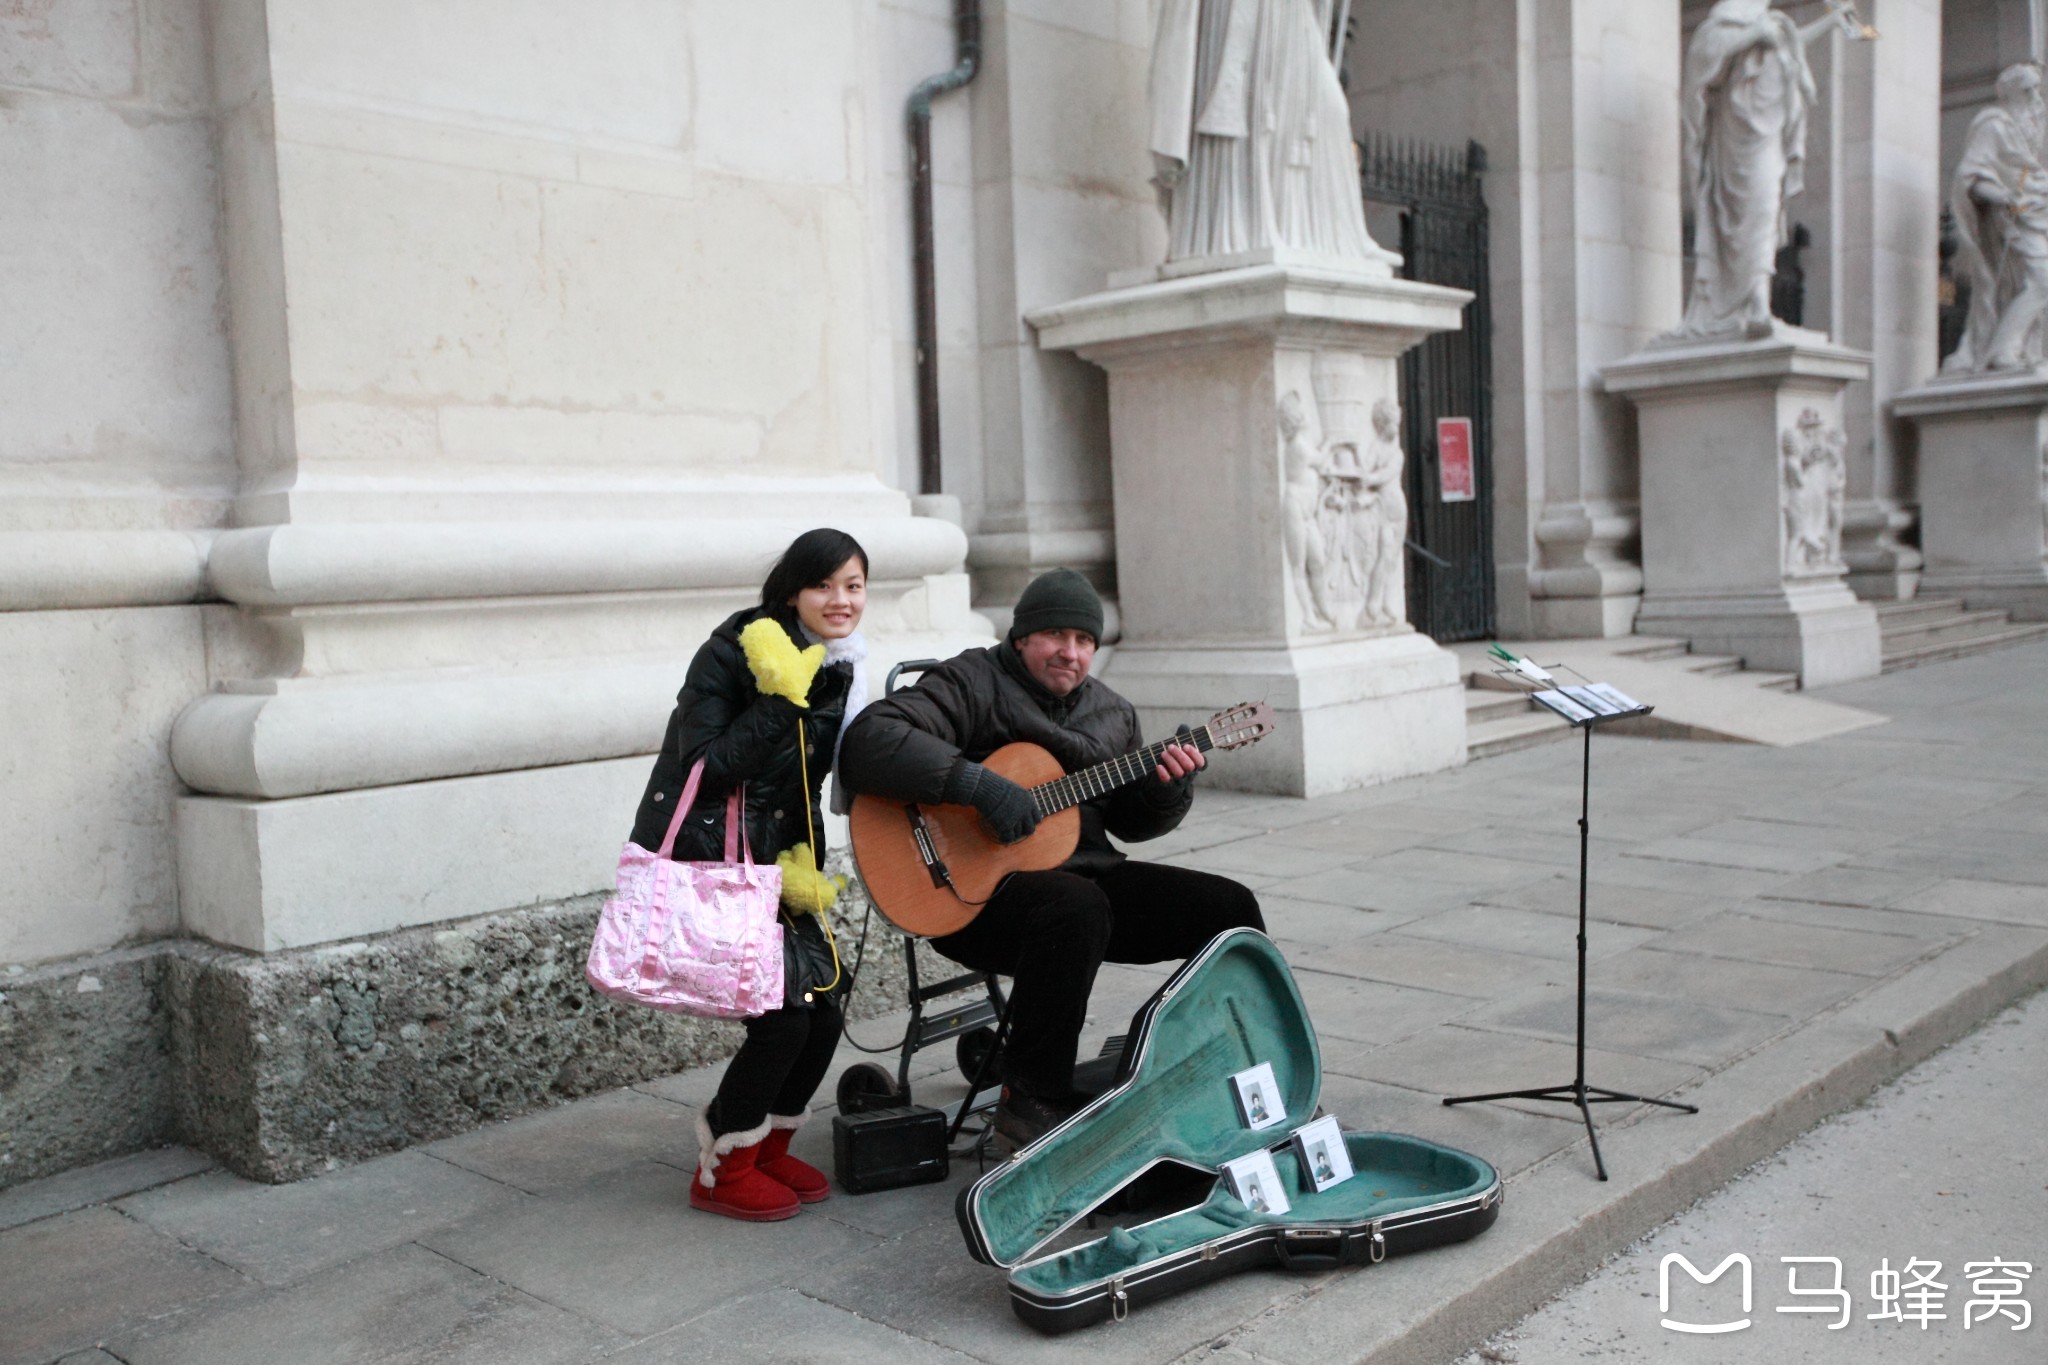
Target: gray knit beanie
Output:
[(1059, 599)]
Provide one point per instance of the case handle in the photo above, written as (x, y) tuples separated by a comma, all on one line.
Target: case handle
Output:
[(1311, 1248)]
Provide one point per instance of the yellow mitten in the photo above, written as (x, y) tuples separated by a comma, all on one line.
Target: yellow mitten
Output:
[(780, 668), (804, 887)]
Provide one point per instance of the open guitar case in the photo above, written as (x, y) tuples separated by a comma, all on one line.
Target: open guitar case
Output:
[(1230, 1007)]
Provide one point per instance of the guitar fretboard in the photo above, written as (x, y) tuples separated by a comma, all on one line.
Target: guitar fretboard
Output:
[(1121, 771)]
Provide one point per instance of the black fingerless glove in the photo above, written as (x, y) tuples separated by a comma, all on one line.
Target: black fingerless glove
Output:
[(1007, 810), (1166, 795)]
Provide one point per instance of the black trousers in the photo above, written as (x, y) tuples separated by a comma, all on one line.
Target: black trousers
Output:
[(1050, 931), (778, 1068)]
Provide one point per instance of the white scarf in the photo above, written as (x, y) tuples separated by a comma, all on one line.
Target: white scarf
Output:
[(853, 652)]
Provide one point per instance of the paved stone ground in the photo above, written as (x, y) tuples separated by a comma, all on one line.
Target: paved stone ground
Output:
[(1947, 1164), (1778, 933)]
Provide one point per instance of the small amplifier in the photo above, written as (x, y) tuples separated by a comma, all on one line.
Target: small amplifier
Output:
[(885, 1149)]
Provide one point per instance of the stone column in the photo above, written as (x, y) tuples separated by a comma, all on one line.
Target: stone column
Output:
[(1984, 489), (1576, 102), (1885, 241), (1251, 560), (1742, 477), (1061, 202), (538, 362)]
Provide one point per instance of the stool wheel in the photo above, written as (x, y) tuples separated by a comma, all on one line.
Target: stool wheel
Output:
[(978, 1053)]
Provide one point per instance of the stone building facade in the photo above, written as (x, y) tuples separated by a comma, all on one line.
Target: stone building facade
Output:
[(396, 392)]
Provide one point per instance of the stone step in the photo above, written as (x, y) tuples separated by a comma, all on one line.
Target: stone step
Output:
[(1960, 646), (1914, 608), (1928, 629), (1775, 682), (1509, 733), (1484, 704), (1656, 649), (1713, 665)]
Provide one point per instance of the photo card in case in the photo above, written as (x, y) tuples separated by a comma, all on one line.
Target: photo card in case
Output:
[(1256, 1182), (1319, 1146), (1258, 1097)]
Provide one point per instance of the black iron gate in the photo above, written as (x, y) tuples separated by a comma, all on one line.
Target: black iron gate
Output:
[(1449, 376)]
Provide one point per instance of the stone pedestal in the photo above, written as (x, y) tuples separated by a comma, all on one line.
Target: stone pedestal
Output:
[(1241, 432), (1743, 472), (1984, 489)]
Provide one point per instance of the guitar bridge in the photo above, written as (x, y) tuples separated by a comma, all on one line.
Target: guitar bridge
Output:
[(934, 865)]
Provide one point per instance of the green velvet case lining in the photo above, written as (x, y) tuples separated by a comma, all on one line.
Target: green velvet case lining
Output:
[(1234, 1006), (1392, 1174)]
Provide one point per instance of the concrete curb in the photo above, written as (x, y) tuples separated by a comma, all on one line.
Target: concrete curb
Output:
[(1560, 1224)]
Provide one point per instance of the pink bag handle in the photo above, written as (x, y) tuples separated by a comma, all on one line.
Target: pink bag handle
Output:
[(736, 835)]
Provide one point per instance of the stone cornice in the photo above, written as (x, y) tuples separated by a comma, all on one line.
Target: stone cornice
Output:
[(1371, 311), (1974, 393), (1791, 355)]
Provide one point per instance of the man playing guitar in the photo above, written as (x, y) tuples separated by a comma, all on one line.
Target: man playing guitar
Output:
[(1049, 931)]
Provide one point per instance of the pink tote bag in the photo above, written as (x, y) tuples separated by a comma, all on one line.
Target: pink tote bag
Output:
[(693, 938)]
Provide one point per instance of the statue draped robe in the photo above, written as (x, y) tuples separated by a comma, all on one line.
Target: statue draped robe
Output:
[(1252, 132), (1744, 114), (1999, 247)]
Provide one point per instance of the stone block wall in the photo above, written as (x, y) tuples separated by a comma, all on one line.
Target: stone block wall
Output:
[(285, 1064)]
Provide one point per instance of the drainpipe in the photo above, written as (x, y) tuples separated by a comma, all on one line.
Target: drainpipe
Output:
[(967, 54)]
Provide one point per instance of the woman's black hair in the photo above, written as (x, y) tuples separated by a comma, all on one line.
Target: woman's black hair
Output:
[(811, 558)]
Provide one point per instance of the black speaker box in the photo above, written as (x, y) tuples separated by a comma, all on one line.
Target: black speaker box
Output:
[(886, 1149)]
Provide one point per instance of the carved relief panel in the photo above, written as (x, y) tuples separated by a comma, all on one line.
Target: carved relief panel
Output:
[(1346, 516), (1814, 476)]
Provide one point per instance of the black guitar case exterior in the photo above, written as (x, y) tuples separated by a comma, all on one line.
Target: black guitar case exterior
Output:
[(1227, 1009)]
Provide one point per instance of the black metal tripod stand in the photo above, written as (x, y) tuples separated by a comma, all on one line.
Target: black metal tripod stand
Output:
[(1576, 1091)]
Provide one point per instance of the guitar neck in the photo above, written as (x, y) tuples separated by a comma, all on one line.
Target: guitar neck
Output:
[(1121, 771)]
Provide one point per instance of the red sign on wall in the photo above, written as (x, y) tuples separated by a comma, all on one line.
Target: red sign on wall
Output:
[(1454, 459)]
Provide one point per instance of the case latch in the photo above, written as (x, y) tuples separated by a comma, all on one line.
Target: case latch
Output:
[(1119, 1301), (1376, 1245)]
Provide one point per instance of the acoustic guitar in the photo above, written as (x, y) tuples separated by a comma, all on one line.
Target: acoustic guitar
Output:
[(930, 869)]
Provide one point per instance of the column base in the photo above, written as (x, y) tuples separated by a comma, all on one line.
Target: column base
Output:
[(1887, 585), (1352, 713), (1574, 618), (271, 875), (1819, 631)]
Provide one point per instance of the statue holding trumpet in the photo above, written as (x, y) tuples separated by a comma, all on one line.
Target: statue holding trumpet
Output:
[(1747, 93)]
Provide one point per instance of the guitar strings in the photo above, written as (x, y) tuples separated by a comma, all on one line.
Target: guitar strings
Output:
[(1049, 798)]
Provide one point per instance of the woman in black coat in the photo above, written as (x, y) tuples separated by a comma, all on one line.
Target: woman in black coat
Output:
[(763, 705)]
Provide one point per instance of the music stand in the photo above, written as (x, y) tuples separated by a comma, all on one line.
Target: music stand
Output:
[(1576, 703)]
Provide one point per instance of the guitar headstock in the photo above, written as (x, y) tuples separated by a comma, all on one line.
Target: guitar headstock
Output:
[(1248, 722)]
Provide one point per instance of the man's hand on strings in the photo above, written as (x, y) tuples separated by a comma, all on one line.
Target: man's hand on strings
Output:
[(1178, 760)]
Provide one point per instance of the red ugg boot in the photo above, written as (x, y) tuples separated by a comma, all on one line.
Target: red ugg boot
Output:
[(806, 1181), (728, 1180)]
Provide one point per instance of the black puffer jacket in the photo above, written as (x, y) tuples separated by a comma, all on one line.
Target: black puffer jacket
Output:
[(742, 736), (903, 747)]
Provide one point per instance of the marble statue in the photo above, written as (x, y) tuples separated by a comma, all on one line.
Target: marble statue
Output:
[(1999, 198), (1815, 476), (1747, 91), (1303, 468), (1251, 133), (1386, 597)]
